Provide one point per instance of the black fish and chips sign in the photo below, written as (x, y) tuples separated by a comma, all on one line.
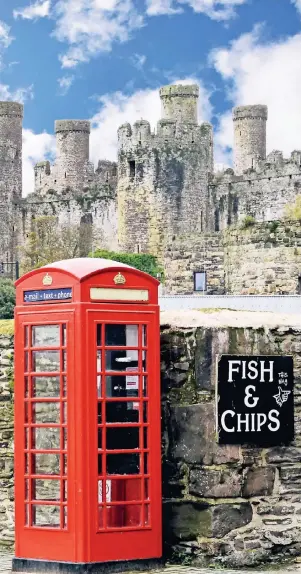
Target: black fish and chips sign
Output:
[(255, 404)]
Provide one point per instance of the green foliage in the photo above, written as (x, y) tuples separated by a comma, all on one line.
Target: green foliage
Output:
[(142, 261), (248, 221), (293, 211), (7, 299), (273, 226), (48, 242)]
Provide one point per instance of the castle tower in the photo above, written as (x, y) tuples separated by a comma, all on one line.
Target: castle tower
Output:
[(72, 153), (179, 103), (163, 177), (249, 136), (11, 116)]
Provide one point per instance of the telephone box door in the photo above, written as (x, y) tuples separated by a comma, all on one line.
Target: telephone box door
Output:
[(43, 417), (124, 391)]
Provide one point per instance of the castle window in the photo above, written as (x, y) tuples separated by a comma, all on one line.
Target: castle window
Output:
[(201, 221), (132, 166), (216, 220), (65, 174), (138, 248), (199, 281), (114, 171)]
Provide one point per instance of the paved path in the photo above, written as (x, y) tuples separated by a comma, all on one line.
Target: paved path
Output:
[(5, 568)]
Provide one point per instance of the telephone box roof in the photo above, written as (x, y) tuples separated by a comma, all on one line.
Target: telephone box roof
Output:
[(82, 267)]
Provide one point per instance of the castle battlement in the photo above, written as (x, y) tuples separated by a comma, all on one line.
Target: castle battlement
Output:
[(72, 126), (11, 109)]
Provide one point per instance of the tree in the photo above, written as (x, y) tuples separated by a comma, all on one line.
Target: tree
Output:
[(293, 210), (7, 299), (49, 242), (143, 261)]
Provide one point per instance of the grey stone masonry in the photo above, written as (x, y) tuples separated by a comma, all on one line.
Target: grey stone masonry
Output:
[(162, 187), (11, 115), (72, 143), (179, 103), (262, 258), (249, 136), (163, 177)]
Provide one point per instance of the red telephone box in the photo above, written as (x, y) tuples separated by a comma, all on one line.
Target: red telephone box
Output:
[(87, 416)]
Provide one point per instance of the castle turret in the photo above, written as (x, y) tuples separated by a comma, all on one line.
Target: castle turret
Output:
[(249, 136), (72, 145), (11, 116), (179, 103)]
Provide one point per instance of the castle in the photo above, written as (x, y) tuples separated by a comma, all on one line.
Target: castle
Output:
[(163, 197)]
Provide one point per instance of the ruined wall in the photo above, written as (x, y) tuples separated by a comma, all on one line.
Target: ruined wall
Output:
[(97, 207), (262, 192)]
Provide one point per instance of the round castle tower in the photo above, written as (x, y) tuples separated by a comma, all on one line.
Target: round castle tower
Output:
[(179, 103), (249, 136), (72, 145), (11, 117)]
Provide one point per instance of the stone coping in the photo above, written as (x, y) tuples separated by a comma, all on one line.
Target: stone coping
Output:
[(218, 318)]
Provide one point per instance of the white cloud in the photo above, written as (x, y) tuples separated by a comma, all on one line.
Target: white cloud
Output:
[(91, 26), (65, 84), (36, 147), (138, 61), (118, 108), (215, 9), (257, 72), (5, 37), (20, 95), (297, 3), (40, 9)]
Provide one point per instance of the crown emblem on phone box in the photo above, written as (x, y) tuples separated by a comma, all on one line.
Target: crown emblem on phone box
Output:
[(47, 280), (119, 279)]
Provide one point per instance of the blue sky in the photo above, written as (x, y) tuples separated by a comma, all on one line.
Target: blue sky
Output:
[(104, 60)]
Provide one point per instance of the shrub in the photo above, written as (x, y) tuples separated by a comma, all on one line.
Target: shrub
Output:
[(142, 261), (248, 221), (7, 299)]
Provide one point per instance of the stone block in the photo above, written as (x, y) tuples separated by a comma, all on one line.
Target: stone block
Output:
[(215, 483), (283, 454), (227, 517), (186, 521), (193, 437), (258, 481), (189, 520)]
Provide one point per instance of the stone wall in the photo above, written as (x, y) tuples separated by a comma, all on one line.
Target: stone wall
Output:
[(224, 505), (97, 208), (264, 258), (189, 253), (6, 436), (262, 192)]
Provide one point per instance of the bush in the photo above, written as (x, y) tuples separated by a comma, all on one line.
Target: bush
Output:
[(248, 221), (7, 299), (293, 211), (142, 261)]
